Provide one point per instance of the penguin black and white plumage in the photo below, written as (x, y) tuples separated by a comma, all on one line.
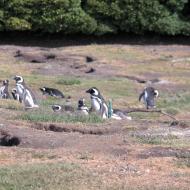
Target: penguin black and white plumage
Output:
[(63, 108), (57, 108), (4, 91), (148, 95), (119, 115), (25, 94), (16, 95), (98, 103), (52, 92), (82, 108)]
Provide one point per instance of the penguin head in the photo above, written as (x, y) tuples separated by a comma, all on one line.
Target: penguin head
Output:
[(5, 82), (56, 108), (81, 103), (43, 89), (18, 79), (14, 90), (93, 91)]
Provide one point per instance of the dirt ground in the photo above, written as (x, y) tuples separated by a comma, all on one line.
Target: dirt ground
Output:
[(144, 152)]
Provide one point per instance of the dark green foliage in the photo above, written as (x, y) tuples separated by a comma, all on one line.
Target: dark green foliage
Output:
[(1, 20), (97, 17), (61, 16)]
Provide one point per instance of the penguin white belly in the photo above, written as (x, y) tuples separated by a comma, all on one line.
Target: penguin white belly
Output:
[(104, 111), (95, 104), (2, 91), (17, 96), (28, 100), (145, 97), (85, 112), (20, 90)]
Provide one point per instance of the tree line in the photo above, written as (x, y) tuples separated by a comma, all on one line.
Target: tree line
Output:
[(96, 17)]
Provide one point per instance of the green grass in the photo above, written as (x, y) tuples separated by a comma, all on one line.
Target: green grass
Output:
[(50, 100), (10, 104), (59, 176), (65, 176), (68, 81), (40, 116), (183, 159), (176, 102), (169, 140)]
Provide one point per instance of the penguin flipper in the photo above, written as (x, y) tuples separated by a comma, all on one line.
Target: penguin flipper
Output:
[(141, 95)]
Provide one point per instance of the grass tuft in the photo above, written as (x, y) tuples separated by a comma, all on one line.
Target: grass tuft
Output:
[(39, 116), (69, 81), (10, 104), (45, 176), (169, 140)]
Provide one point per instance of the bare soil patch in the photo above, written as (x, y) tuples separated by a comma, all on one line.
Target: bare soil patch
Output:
[(110, 149), (93, 130), (165, 152)]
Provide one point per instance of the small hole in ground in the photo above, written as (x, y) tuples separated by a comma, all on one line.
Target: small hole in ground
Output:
[(8, 140)]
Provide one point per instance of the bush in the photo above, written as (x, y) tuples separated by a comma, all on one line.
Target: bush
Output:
[(97, 17)]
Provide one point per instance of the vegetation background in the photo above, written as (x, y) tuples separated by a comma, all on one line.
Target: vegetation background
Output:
[(96, 17)]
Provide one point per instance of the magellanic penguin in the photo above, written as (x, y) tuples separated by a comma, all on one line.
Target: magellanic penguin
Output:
[(63, 108), (148, 95), (98, 103), (82, 108), (52, 92), (4, 91), (25, 93), (120, 114), (16, 95)]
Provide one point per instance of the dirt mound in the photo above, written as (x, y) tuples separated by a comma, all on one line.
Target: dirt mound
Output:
[(93, 130)]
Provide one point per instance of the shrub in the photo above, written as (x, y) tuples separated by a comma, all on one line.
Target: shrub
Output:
[(97, 17)]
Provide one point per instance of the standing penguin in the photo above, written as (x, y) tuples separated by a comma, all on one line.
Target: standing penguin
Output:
[(98, 103), (25, 93), (4, 91), (148, 95), (52, 92)]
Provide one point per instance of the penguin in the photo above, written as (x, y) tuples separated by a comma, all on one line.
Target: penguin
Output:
[(98, 104), (26, 95), (117, 113), (4, 92), (82, 108), (63, 108), (16, 95), (57, 108), (52, 92), (148, 95)]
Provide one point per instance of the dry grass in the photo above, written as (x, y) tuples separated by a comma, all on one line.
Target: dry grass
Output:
[(105, 163)]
